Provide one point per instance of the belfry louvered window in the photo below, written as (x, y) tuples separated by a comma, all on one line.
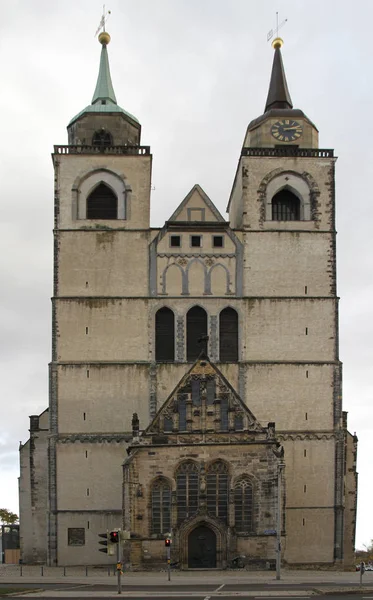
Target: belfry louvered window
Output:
[(102, 203), (217, 490), (285, 206), (228, 335), (102, 138), (243, 505), (196, 331), (164, 335), (187, 490), (161, 506)]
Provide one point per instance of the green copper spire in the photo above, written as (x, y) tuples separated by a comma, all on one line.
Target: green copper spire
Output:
[(104, 87)]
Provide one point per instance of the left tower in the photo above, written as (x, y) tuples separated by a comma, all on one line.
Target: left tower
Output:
[(100, 317)]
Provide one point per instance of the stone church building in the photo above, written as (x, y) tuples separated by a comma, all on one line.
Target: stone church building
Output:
[(195, 368)]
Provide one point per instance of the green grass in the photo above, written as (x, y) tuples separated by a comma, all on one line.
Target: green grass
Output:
[(13, 590)]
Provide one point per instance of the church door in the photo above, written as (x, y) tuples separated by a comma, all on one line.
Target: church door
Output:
[(202, 548)]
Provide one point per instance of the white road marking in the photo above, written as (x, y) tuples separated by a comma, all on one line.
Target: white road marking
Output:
[(220, 587)]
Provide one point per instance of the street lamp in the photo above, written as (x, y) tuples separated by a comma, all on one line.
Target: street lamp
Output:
[(280, 468)]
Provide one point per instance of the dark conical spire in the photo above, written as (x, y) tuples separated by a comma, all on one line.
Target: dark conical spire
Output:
[(278, 93)]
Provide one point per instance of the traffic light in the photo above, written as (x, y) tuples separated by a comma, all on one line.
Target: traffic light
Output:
[(114, 537), (103, 543), (167, 542)]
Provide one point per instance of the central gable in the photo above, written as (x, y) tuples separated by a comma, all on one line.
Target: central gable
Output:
[(196, 207), (204, 402)]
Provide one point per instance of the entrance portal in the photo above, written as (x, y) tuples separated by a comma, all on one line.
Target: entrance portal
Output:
[(202, 548)]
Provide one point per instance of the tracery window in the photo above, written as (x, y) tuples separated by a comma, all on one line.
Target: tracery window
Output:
[(228, 335), (161, 506), (217, 490), (285, 206), (243, 504), (102, 203), (196, 329), (164, 335), (187, 490)]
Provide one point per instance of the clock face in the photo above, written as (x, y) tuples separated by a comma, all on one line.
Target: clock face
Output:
[(286, 130)]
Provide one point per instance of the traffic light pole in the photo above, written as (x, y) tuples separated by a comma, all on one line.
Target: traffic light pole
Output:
[(119, 565), (169, 562)]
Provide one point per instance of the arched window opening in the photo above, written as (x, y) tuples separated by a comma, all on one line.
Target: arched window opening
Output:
[(187, 490), (243, 505), (196, 331), (102, 138), (102, 203), (217, 490), (285, 206), (228, 335), (164, 335), (182, 410), (161, 506)]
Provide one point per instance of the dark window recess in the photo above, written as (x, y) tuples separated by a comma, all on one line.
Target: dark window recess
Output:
[(285, 206), (238, 422), (164, 335), (224, 414), (196, 392), (102, 203), (195, 241), (196, 328), (210, 391), (217, 241), (187, 490), (182, 414), (243, 505), (217, 490), (175, 241), (167, 423), (76, 536), (161, 507), (102, 138), (228, 337)]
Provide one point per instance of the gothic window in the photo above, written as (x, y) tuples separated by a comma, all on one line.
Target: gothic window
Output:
[(224, 414), (102, 203), (102, 139), (243, 505), (238, 422), (181, 407), (210, 391), (167, 423), (217, 490), (164, 335), (196, 392), (196, 329), (285, 206), (228, 335), (161, 506), (187, 490)]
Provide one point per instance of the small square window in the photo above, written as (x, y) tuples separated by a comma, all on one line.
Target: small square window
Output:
[(217, 241), (195, 241), (175, 241), (76, 536)]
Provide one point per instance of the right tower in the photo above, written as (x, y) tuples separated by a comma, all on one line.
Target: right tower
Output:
[(283, 205)]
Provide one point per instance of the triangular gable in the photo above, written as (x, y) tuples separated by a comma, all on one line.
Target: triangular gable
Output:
[(197, 206), (203, 401)]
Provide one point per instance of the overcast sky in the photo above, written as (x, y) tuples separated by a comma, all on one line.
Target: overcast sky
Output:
[(194, 72)]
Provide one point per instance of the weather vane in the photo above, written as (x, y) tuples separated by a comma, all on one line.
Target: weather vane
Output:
[(270, 33), (104, 18)]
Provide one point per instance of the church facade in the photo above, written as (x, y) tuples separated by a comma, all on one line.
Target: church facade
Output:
[(135, 313)]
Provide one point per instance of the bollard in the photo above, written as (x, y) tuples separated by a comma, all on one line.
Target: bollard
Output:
[(42, 571), (108, 571), (21, 572), (86, 571), (64, 571)]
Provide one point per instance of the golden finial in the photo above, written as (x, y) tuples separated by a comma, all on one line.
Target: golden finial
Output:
[(277, 42), (104, 38)]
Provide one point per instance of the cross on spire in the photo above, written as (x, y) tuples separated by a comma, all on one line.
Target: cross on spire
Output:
[(103, 21)]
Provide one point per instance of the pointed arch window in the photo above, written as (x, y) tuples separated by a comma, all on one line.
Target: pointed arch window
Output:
[(228, 335), (217, 490), (161, 506), (285, 206), (102, 139), (164, 335), (196, 329), (243, 505), (187, 490), (102, 203)]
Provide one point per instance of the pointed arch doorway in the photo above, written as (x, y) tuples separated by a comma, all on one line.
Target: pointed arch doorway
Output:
[(202, 548)]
